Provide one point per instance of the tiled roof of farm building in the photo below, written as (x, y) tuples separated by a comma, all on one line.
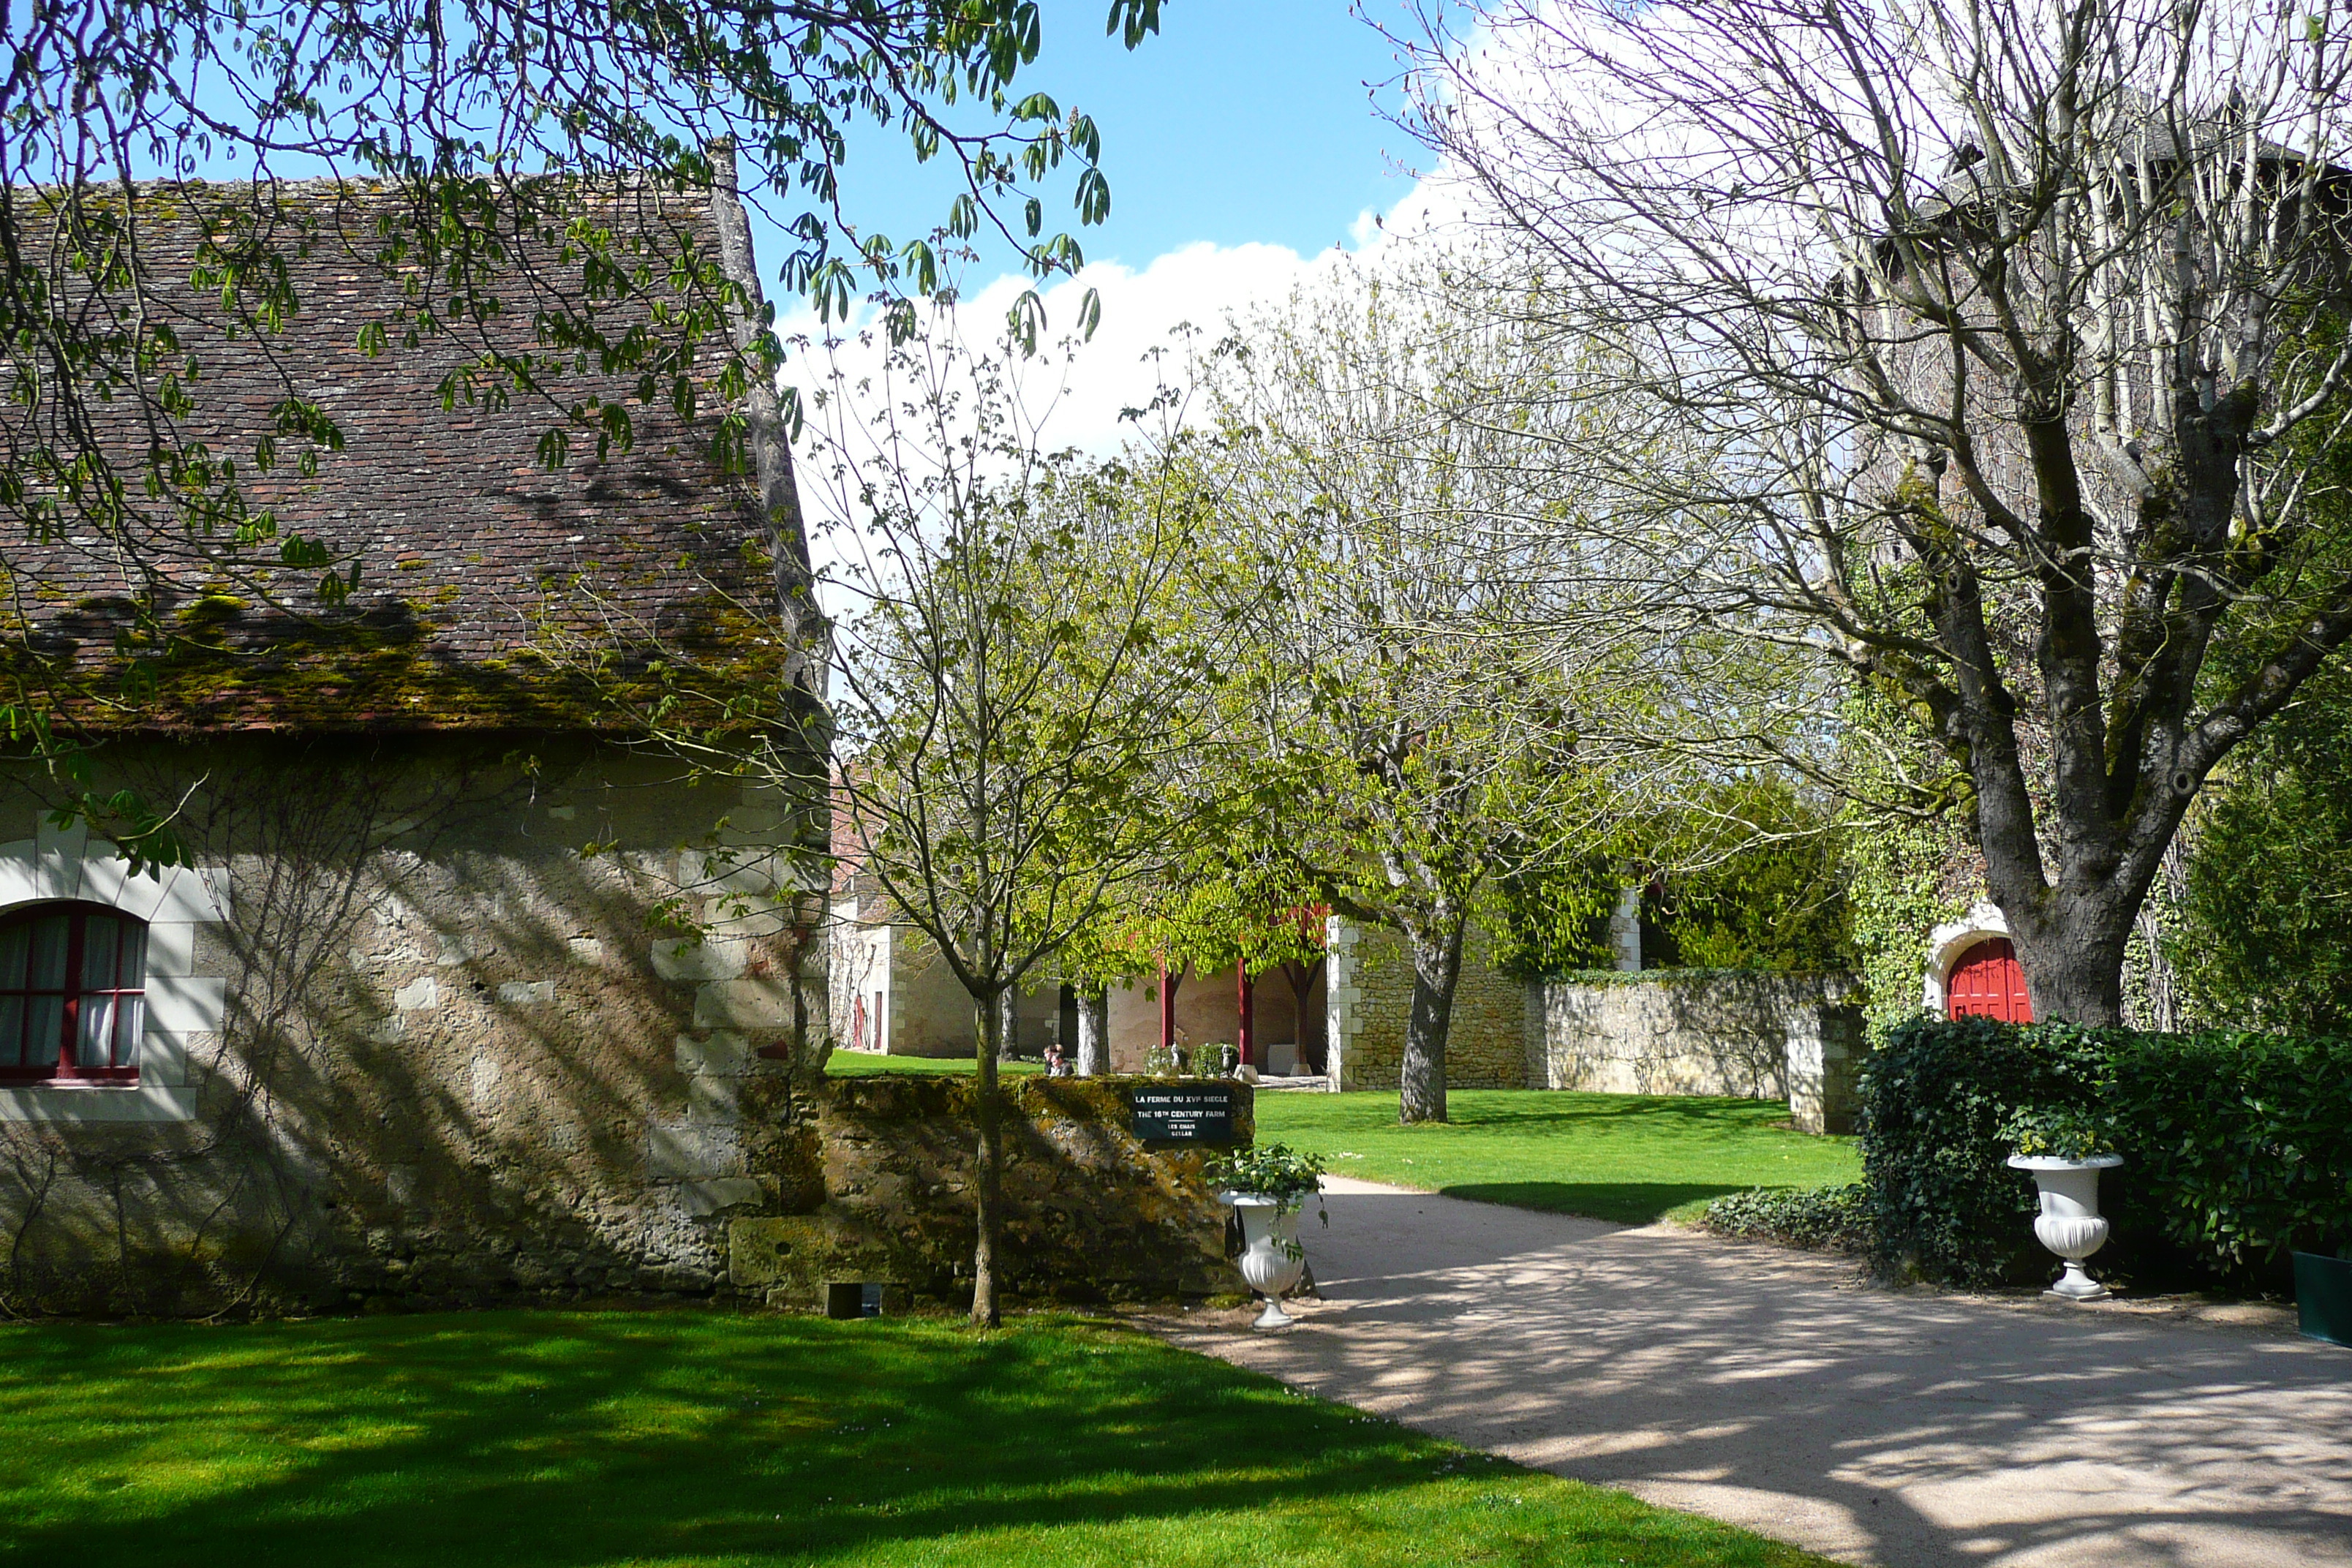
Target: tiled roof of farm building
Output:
[(476, 557)]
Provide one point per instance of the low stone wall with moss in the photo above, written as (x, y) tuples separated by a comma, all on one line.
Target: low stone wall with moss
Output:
[(1742, 1033), (884, 1179)]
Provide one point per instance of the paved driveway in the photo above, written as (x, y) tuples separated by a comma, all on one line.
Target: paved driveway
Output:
[(1767, 1387)]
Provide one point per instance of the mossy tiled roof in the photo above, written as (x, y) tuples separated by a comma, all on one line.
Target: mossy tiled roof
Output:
[(472, 551)]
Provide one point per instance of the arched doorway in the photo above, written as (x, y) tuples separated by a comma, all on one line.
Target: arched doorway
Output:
[(1985, 982)]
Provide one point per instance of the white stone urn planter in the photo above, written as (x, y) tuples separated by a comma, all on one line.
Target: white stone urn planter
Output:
[(1272, 1260), (2069, 1224)]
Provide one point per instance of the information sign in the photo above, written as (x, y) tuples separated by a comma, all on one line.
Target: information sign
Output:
[(1184, 1113)]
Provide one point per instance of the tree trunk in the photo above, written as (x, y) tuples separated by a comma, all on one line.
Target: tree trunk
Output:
[(988, 1168), (2073, 956), (1094, 1032), (1008, 1025), (1310, 1030), (1436, 965)]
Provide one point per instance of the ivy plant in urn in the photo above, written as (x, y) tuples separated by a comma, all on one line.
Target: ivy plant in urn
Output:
[(1268, 1187), (2064, 1151)]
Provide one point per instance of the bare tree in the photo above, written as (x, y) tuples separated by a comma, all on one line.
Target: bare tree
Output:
[(1010, 691), (2016, 334)]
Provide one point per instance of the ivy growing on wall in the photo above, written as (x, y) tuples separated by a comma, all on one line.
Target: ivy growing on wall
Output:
[(1908, 873)]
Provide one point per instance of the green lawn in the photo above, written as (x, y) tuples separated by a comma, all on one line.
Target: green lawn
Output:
[(860, 1064), (1630, 1158), (564, 1440)]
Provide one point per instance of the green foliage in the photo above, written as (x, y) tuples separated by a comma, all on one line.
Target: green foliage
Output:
[(1220, 904), (1552, 917), (1827, 1220), (2059, 1132), (1779, 903), (2265, 936), (1909, 870), (1275, 1170), (1750, 878), (558, 1439), (2237, 1148)]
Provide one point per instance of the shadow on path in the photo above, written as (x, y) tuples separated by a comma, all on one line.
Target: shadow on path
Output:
[(1770, 1389)]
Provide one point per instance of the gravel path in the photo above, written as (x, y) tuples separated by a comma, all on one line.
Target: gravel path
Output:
[(1769, 1388)]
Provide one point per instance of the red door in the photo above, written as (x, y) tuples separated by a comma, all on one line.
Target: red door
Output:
[(1987, 983)]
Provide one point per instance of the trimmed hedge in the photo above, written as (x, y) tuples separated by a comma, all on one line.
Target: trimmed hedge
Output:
[(2237, 1149)]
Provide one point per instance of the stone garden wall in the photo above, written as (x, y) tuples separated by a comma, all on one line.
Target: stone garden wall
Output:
[(1369, 998), (1721, 1032), (876, 1183)]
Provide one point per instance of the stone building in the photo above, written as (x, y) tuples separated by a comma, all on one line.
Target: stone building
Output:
[(1729, 1033), (426, 1017)]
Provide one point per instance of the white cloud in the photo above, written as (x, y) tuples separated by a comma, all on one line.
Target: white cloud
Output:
[(1202, 285)]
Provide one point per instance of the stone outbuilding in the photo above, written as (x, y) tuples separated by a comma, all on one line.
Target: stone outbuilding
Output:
[(425, 1016)]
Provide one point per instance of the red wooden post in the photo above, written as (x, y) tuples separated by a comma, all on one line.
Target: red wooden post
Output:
[(1247, 1031), (1167, 1012)]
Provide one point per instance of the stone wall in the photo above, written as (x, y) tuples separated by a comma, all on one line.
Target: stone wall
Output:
[(1745, 1035), (1369, 999), (408, 1042), (877, 1176)]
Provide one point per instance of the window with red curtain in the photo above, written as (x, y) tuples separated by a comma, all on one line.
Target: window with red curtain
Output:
[(72, 995), (1988, 983)]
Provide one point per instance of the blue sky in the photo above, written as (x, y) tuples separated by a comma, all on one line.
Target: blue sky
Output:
[(1245, 158), (1239, 122)]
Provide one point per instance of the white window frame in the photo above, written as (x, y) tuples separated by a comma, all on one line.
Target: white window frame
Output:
[(185, 1011)]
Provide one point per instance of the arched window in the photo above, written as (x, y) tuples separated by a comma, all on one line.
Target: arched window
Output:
[(1986, 983), (72, 995)]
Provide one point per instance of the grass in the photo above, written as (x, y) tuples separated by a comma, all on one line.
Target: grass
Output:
[(566, 1441), (1634, 1159), (864, 1064)]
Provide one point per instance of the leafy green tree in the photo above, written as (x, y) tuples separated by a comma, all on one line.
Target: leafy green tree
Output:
[(457, 137), (2266, 938), (1758, 882), (1740, 874)]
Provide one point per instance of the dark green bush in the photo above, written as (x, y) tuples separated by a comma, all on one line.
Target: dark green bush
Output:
[(2243, 1142), (2237, 1148), (1828, 1219), (2265, 933), (1936, 1098)]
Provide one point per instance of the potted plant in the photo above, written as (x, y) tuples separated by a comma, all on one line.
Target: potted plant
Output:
[(1268, 1187), (2322, 1295), (2064, 1151)]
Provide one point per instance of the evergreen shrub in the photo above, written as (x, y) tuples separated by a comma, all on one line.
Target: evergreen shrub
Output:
[(1826, 1220), (2237, 1148)]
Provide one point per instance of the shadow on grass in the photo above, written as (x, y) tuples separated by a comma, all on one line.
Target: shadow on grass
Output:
[(546, 1440), (1623, 1203)]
